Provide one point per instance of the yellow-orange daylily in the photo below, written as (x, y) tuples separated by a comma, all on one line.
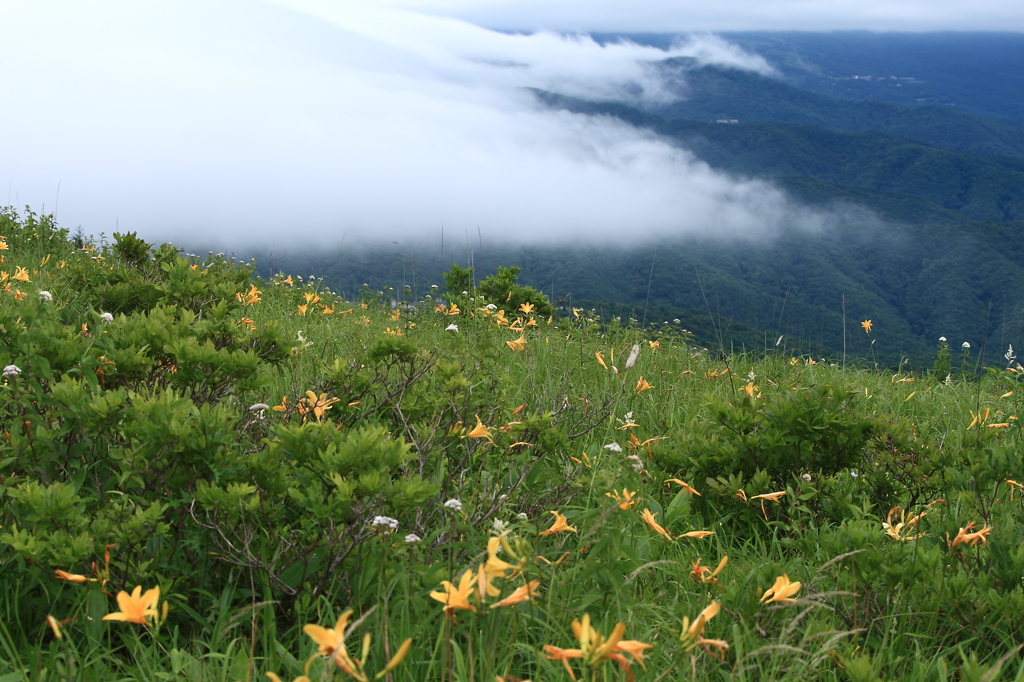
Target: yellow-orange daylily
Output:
[(595, 648), (979, 418), (301, 309), (963, 537), (1013, 484), (867, 326), (526, 308), (774, 497), (318, 405), (73, 577), (560, 524), (686, 486), (600, 359), (697, 534), (479, 431), (520, 594), (518, 344), (457, 597), (649, 518), (642, 385), (136, 607), (21, 274), (901, 530), (329, 640), (704, 574), (782, 590), (453, 310), (692, 632), (626, 500), (253, 296)]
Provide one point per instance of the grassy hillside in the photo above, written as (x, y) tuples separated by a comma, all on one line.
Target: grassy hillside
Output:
[(210, 476)]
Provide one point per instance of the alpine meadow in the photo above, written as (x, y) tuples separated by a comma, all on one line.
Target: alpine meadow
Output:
[(775, 435)]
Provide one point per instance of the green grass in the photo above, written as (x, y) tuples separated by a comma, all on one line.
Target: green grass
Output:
[(255, 524)]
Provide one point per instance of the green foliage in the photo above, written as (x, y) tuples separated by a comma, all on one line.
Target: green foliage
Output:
[(402, 459), (815, 429), (503, 288)]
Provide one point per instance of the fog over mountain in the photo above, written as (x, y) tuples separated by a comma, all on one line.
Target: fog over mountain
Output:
[(310, 122)]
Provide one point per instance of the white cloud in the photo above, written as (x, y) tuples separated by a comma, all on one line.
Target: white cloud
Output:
[(248, 121)]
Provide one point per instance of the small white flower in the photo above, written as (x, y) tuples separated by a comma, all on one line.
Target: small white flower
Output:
[(385, 523), (636, 463), (106, 317), (1009, 355), (432, 286), (522, 516), (46, 297), (854, 474), (751, 376), (454, 504), (411, 538), (300, 337), (677, 321), (942, 338), (11, 371), (965, 345), (465, 293), (259, 407), (491, 306), (499, 526), (806, 477), (949, 380), (614, 447), (452, 328)]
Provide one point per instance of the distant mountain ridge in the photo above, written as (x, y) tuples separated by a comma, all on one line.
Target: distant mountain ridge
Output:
[(928, 241)]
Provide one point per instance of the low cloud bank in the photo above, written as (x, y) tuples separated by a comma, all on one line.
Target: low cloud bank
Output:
[(303, 123)]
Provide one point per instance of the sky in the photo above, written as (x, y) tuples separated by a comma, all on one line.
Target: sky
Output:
[(305, 122)]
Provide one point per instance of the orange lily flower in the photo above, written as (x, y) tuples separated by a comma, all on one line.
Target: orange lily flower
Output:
[(782, 590), (526, 308), (642, 385), (137, 607), (649, 518), (626, 500), (71, 577), (479, 431), (518, 344), (704, 574), (457, 597), (600, 359), (686, 486), (693, 631), (867, 326), (697, 534), (595, 648), (963, 537), (901, 531), (774, 497), (560, 524), (523, 593)]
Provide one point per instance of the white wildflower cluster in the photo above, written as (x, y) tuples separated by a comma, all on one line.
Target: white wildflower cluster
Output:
[(498, 526), (453, 504), (46, 297), (1009, 355), (106, 317), (522, 516), (942, 339), (412, 538), (11, 371), (259, 409), (491, 306), (452, 328), (614, 447), (751, 376), (385, 524), (636, 463), (965, 345), (949, 380)]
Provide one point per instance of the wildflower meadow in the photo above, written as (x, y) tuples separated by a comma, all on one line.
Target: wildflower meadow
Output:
[(205, 475)]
